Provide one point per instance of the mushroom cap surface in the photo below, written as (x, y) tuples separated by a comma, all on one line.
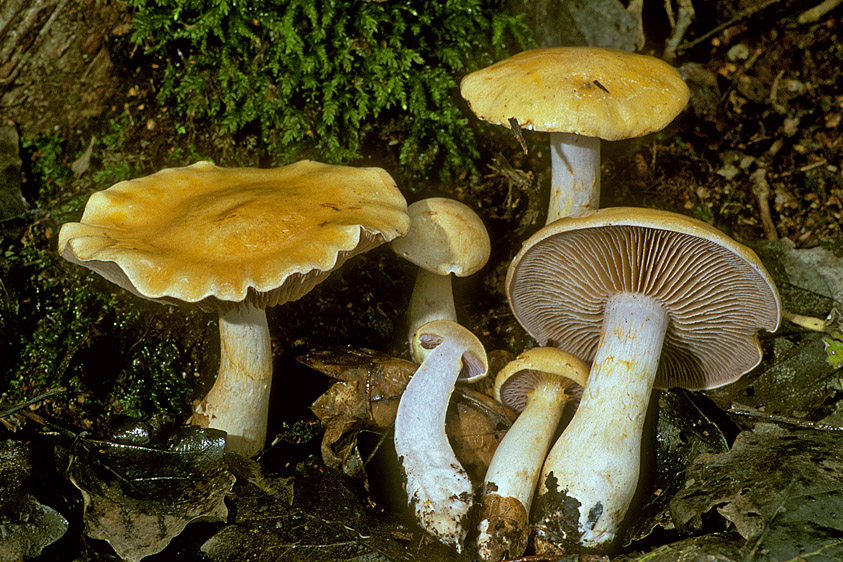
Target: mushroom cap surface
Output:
[(716, 291), (445, 236), (215, 236), (475, 362), (519, 377), (605, 93)]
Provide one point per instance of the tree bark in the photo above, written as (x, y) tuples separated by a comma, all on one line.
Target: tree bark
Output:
[(56, 69)]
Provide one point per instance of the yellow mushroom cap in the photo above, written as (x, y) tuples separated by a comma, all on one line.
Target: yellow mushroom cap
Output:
[(605, 93), (211, 235), (446, 236), (518, 378)]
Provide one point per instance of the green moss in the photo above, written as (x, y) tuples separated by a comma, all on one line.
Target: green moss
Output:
[(300, 432), (328, 80), (62, 325)]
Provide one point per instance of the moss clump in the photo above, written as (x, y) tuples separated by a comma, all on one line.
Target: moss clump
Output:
[(328, 80), (61, 325)]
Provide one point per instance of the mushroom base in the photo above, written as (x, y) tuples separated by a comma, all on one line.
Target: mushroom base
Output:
[(504, 528), (558, 530)]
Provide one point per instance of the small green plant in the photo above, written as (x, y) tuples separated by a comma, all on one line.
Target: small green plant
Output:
[(834, 351), (332, 81), (300, 432), (703, 212)]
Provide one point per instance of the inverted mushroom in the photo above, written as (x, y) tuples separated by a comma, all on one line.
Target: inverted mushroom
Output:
[(579, 95), (234, 241), (439, 491), (650, 298), (538, 384), (445, 237)]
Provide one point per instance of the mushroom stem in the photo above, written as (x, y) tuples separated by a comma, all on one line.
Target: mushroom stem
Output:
[(583, 504), (238, 403), (432, 299), (438, 488), (512, 475), (575, 183)]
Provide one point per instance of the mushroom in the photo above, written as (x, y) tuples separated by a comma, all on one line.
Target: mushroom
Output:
[(234, 241), (538, 384), (439, 491), (651, 299), (579, 95), (445, 237)]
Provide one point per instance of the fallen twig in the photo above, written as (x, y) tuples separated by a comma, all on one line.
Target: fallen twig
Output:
[(743, 410), (814, 14), (685, 16), (26, 403), (761, 190), (740, 16)]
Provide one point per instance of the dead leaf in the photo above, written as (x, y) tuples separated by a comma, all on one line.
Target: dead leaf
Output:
[(324, 521), (475, 424), (80, 165), (142, 491), (26, 525), (715, 547), (366, 396), (683, 431), (782, 490)]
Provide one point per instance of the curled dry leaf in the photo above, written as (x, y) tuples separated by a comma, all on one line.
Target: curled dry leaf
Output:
[(365, 396), (475, 424), (780, 489)]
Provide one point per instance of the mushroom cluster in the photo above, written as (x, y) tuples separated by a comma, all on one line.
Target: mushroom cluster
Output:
[(651, 299), (538, 384), (234, 241)]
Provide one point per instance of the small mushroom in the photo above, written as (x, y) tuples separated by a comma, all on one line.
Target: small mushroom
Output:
[(538, 384), (651, 299), (445, 237), (579, 95), (439, 491), (234, 241)]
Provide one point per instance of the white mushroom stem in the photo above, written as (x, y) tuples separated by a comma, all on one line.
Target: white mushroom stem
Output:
[(238, 403), (438, 489), (606, 429), (432, 299), (575, 182), (515, 468), (515, 465)]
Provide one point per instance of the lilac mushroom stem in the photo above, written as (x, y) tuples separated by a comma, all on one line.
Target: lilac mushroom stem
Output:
[(439, 491), (608, 424), (432, 299), (538, 383), (575, 182)]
